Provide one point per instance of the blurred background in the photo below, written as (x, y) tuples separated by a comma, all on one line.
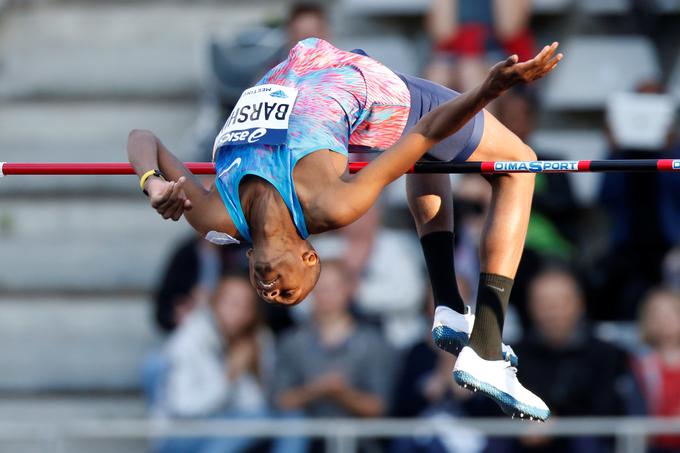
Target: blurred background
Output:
[(117, 328)]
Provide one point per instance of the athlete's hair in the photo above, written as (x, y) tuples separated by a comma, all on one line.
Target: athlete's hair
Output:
[(302, 8)]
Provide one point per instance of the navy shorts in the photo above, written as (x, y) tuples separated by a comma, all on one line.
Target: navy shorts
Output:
[(426, 96)]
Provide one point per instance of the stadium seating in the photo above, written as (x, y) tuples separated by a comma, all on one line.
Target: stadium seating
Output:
[(674, 79), (86, 131), (73, 343), (605, 6), (385, 7), (397, 52), (419, 7), (86, 244), (597, 67), (125, 54)]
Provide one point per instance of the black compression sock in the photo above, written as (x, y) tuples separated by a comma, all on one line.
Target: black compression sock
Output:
[(438, 251), (493, 296)]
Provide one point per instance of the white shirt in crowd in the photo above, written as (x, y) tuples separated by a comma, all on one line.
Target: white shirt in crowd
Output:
[(197, 383)]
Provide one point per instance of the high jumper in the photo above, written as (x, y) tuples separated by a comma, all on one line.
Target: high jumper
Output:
[(282, 174)]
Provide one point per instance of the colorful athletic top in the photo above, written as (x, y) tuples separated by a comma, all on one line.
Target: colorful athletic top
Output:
[(320, 97)]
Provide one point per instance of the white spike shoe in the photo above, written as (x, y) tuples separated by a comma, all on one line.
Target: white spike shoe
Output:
[(497, 379)]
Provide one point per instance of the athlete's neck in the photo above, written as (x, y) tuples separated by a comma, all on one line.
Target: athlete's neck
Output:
[(266, 212)]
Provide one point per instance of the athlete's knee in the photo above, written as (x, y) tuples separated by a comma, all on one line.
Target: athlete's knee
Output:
[(523, 152), (141, 134)]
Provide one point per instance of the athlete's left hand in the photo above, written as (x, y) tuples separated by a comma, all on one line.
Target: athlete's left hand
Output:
[(168, 197), (511, 72)]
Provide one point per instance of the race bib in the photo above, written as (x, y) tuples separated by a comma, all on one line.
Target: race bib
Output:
[(260, 116)]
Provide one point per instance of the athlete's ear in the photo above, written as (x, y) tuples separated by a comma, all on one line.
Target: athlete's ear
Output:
[(249, 253), (310, 258)]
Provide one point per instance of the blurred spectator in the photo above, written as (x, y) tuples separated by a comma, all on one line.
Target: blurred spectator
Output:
[(219, 364), (387, 283), (305, 20), (469, 35), (562, 361), (335, 365), (194, 268), (644, 208), (658, 369)]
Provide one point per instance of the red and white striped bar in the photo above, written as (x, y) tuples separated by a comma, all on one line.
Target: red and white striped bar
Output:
[(207, 168)]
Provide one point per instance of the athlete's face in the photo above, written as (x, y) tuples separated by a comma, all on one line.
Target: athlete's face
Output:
[(284, 278)]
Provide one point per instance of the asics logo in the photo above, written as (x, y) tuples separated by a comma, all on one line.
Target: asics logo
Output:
[(235, 163), (239, 136)]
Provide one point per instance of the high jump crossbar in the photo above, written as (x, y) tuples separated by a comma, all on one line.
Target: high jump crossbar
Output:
[(489, 167)]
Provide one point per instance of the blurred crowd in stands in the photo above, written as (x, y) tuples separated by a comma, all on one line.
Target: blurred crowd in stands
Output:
[(596, 325)]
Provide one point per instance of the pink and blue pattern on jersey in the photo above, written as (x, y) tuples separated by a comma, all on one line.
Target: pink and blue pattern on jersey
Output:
[(343, 99)]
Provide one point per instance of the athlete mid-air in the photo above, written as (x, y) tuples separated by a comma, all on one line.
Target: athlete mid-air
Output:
[(282, 173)]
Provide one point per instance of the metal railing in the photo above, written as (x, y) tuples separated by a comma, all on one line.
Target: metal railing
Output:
[(340, 435)]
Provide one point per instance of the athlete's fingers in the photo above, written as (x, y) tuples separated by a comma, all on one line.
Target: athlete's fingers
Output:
[(172, 198), (555, 61), (552, 64), (557, 58), (511, 60), (171, 212), (187, 205), (550, 54), (539, 56), (166, 210), (169, 207), (547, 51), (177, 188), (179, 210), (160, 199)]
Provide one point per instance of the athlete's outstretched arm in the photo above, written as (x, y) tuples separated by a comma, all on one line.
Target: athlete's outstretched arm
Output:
[(347, 201), (181, 192)]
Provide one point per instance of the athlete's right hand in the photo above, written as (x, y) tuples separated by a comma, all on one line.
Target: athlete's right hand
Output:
[(168, 197)]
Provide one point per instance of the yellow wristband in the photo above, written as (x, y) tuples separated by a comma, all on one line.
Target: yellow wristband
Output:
[(146, 176)]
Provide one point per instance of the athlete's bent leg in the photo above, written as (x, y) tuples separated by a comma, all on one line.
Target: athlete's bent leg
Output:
[(503, 236), (480, 366)]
